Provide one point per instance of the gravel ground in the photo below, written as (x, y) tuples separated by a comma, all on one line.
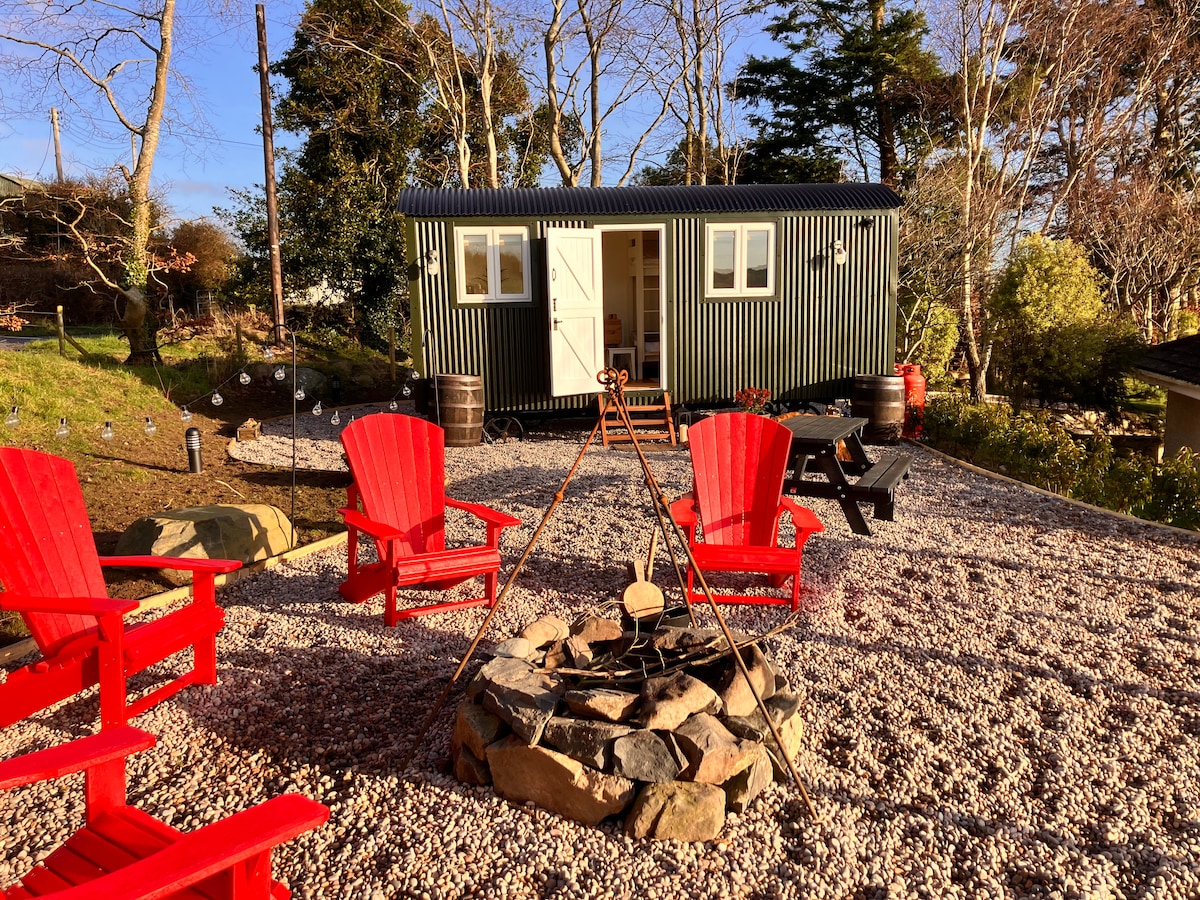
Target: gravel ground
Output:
[(1003, 700)]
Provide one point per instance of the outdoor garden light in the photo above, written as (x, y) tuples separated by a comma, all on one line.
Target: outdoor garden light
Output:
[(217, 399), (244, 377), (839, 253), (432, 262), (335, 419), (13, 419), (150, 428), (405, 391), (299, 393), (107, 431), (185, 414), (393, 406), (317, 409), (268, 353), (280, 374), (62, 430)]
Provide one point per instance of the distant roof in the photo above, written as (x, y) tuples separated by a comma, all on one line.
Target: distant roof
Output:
[(1177, 360), (608, 201), (15, 185)]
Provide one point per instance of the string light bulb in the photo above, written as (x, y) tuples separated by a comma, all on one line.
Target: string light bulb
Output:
[(13, 419), (150, 428), (406, 391), (299, 393), (185, 414), (62, 430), (317, 409), (280, 374), (335, 419), (268, 353), (244, 377), (393, 406), (217, 399), (107, 433)]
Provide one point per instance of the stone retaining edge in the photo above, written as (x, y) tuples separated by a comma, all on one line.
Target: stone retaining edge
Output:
[(167, 597)]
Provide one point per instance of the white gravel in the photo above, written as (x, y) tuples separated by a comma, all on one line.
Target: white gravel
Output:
[(1003, 701)]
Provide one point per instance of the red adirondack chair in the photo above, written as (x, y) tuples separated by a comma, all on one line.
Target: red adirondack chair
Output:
[(397, 463), (51, 574), (122, 852), (738, 464)]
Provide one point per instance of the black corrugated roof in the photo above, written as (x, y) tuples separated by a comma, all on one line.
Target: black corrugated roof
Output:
[(1178, 360), (610, 201)]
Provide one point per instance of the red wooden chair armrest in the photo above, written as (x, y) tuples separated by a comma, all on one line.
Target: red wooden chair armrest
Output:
[(207, 851), (486, 513), (803, 518), (683, 511), (80, 606), (377, 530), (200, 566), (67, 759)]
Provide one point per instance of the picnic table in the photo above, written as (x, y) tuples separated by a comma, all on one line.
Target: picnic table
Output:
[(815, 442)]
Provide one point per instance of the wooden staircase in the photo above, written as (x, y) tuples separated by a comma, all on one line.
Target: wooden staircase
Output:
[(651, 421)]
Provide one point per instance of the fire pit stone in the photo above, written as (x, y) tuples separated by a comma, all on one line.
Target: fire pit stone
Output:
[(608, 719)]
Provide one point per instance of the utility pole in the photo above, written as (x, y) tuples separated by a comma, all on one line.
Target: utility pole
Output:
[(269, 161), (57, 142)]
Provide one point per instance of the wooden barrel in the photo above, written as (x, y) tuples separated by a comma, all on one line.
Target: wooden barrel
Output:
[(460, 409), (879, 398)]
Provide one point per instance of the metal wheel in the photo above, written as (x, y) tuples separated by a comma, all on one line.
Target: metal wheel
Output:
[(501, 429)]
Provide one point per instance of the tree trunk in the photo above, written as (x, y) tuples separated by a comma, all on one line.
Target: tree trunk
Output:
[(138, 323)]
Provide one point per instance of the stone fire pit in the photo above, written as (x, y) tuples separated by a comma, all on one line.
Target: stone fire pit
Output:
[(602, 719)]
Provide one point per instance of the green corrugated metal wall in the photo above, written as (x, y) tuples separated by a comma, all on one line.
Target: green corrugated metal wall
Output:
[(829, 323)]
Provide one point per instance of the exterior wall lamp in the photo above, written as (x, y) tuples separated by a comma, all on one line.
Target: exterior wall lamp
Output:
[(432, 262)]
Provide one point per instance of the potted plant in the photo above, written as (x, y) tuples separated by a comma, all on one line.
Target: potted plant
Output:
[(753, 400)]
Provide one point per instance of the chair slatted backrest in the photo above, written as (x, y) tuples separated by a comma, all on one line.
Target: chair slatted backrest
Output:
[(739, 462), (398, 466), (48, 546)]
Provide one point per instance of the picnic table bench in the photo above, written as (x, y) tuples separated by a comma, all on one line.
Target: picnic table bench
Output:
[(815, 442)]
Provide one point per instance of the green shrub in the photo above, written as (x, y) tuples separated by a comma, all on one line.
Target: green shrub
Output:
[(1037, 451), (1174, 496)]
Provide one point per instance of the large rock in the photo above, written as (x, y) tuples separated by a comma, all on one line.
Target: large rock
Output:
[(602, 703), (586, 740), (668, 700), (558, 783), (475, 728), (526, 703), (742, 788), (644, 756), (677, 810), (714, 754), (247, 532), (736, 697), (546, 630)]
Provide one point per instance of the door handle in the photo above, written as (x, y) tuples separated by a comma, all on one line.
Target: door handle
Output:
[(555, 321)]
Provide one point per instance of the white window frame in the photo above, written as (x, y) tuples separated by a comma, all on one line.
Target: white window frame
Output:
[(492, 233), (741, 231)]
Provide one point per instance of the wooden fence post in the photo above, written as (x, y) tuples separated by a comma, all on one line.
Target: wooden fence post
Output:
[(62, 341)]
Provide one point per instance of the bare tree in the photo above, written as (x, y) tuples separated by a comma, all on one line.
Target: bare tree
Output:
[(696, 91), (599, 58), (120, 55), (1014, 62)]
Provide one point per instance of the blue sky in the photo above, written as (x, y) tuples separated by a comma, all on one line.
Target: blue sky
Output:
[(210, 144), (195, 165)]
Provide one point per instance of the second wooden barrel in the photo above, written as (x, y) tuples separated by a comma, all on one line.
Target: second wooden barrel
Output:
[(460, 408), (879, 398)]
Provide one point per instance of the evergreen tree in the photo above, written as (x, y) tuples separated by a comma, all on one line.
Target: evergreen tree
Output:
[(853, 87), (362, 125)]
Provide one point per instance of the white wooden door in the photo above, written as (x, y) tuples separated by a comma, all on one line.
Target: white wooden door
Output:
[(576, 310)]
